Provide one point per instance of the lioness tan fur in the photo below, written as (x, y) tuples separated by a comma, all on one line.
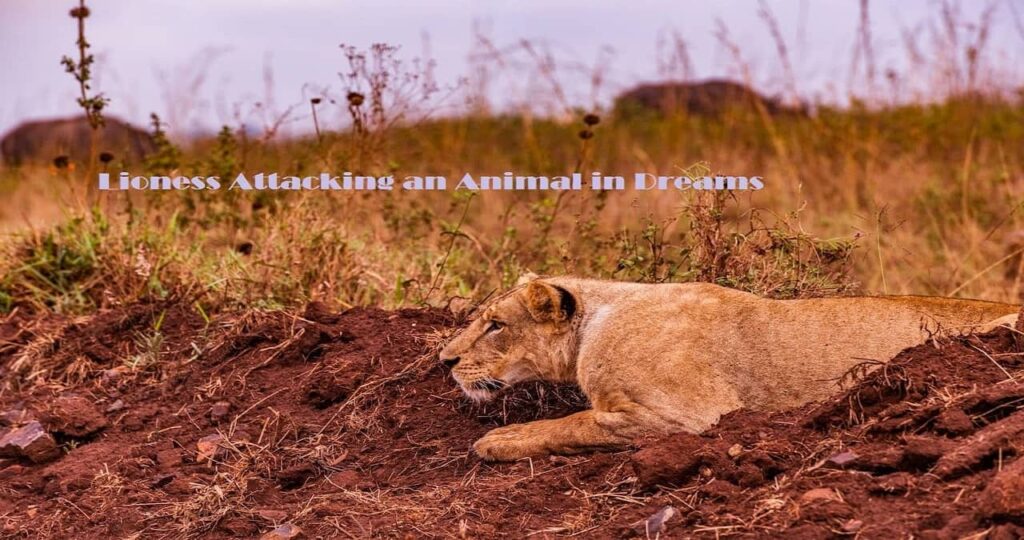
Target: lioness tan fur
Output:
[(675, 357)]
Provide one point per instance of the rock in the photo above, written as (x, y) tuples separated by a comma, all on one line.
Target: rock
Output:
[(14, 417), (30, 441), (209, 447), (219, 410), (656, 524), (853, 526), (1004, 495), (115, 406), (820, 494), (842, 458), (74, 416), (735, 450), (283, 532)]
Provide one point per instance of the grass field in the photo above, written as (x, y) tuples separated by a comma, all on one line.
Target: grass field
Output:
[(891, 192), (921, 199)]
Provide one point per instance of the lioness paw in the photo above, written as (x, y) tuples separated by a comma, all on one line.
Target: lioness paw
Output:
[(508, 443)]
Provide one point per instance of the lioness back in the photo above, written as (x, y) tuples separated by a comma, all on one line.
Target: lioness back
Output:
[(811, 343), (759, 353)]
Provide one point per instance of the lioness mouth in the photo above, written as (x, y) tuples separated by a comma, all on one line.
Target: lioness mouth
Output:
[(489, 385), (483, 390)]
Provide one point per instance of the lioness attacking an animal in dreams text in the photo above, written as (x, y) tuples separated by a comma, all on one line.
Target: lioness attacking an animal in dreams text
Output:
[(664, 358)]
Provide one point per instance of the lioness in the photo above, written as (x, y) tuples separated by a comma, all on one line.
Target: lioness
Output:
[(676, 357)]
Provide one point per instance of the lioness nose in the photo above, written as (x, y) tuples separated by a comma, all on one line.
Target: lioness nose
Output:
[(450, 361)]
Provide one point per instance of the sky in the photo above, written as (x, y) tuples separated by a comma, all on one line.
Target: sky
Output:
[(203, 63)]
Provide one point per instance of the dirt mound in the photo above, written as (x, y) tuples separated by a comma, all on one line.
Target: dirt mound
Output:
[(921, 447), (323, 424)]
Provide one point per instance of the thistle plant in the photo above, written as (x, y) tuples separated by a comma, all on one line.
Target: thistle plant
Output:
[(81, 70)]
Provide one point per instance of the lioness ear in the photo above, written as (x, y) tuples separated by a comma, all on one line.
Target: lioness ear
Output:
[(547, 302), (526, 278)]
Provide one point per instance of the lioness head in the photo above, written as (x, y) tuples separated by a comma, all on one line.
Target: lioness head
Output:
[(520, 336)]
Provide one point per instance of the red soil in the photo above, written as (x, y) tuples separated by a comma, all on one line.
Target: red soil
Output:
[(344, 425)]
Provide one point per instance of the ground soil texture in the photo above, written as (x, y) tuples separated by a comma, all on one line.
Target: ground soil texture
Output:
[(320, 424)]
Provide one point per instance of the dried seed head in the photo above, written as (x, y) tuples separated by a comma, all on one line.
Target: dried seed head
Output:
[(591, 119), (79, 12), (61, 162), (355, 99), (586, 134), (106, 157), (315, 101)]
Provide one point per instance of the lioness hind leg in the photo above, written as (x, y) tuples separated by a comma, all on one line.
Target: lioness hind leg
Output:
[(581, 432)]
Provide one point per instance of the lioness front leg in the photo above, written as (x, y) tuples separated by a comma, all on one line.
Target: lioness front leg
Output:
[(580, 432)]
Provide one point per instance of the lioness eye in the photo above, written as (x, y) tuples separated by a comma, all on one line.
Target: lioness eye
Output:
[(495, 326)]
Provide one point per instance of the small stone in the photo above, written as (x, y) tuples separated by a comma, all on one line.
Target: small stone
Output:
[(656, 524), (842, 458), (208, 447), (29, 441), (115, 406), (282, 532), (852, 526), (735, 450), (13, 417), (219, 410), (820, 494)]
